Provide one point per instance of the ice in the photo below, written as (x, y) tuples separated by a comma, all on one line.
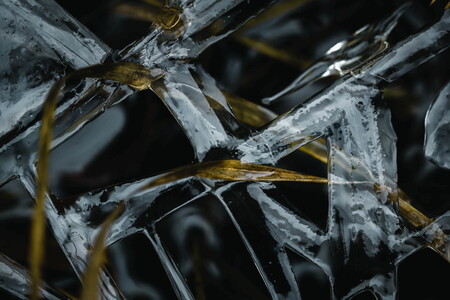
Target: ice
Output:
[(416, 49), (41, 46), (362, 220), (347, 55), (194, 98), (312, 119), (365, 238), (361, 151), (437, 129), (260, 239), (42, 43), (15, 279), (196, 32), (303, 124)]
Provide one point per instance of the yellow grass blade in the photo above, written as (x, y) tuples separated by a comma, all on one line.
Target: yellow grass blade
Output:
[(134, 75), (256, 115), (165, 17), (268, 50), (248, 112), (37, 237), (233, 170), (274, 11)]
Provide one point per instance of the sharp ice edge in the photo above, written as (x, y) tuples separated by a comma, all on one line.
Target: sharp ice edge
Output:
[(291, 229), (308, 121), (39, 39), (437, 129), (413, 51), (347, 55), (197, 116), (137, 203), (176, 278), (15, 279), (263, 245)]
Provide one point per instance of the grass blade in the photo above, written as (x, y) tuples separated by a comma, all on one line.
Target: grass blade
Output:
[(270, 51), (37, 233), (233, 170), (256, 115), (135, 76), (165, 17)]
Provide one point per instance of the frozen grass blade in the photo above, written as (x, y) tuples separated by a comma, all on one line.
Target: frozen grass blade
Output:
[(233, 170), (134, 75)]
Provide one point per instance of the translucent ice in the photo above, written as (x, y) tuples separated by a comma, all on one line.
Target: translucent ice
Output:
[(39, 44), (437, 129), (15, 279), (364, 240), (347, 55)]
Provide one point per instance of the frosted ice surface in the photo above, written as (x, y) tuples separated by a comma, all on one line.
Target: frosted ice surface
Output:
[(361, 218)]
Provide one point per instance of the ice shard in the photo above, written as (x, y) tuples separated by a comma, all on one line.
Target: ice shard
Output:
[(437, 129)]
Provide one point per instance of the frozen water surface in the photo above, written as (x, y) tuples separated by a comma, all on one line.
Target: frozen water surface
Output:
[(365, 238)]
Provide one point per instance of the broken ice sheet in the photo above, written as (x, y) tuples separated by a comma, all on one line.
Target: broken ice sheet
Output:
[(38, 45), (437, 129), (347, 55), (193, 97), (184, 84)]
